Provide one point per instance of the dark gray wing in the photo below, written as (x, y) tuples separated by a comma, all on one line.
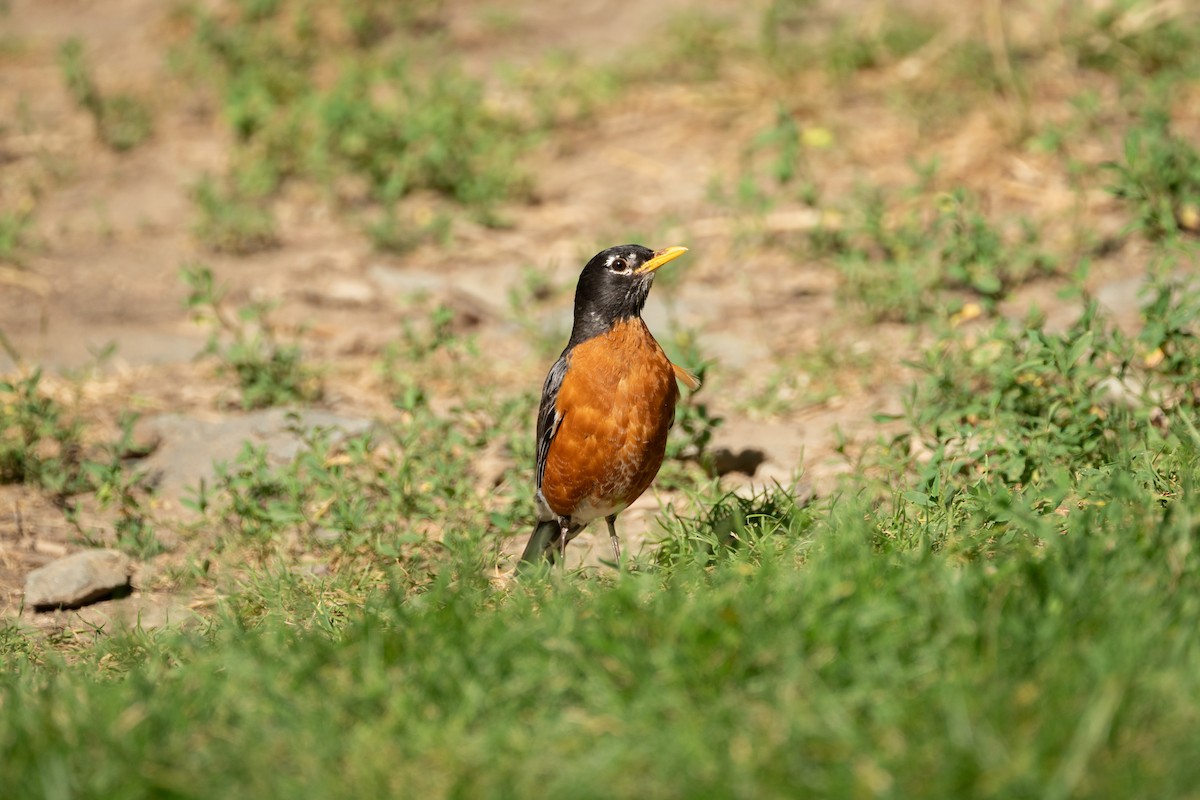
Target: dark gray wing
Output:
[(548, 417)]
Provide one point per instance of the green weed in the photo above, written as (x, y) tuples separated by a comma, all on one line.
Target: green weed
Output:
[(1159, 179), (386, 119), (564, 90), (41, 443), (395, 233), (1021, 423), (114, 484), (903, 270), (232, 221), (122, 120), (14, 226), (852, 49), (268, 371), (1131, 36), (693, 47), (810, 378), (369, 499)]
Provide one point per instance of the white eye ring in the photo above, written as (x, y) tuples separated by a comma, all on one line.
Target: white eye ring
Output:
[(619, 265)]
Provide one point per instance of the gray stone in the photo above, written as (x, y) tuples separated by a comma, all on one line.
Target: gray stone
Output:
[(349, 292), (405, 281), (190, 446), (77, 580)]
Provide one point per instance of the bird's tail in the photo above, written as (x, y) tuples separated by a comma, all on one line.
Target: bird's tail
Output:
[(541, 542)]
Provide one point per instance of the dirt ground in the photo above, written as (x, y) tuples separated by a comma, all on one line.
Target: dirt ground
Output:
[(111, 232)]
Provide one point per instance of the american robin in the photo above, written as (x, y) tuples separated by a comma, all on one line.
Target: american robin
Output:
[(607, 404)]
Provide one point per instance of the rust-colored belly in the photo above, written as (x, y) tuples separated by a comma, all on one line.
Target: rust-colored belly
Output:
[(617, 403)]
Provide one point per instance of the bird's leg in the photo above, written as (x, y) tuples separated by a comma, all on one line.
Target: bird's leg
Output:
[(611, 519), (564, 526)]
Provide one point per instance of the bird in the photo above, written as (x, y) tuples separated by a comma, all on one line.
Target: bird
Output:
[(607, 404)]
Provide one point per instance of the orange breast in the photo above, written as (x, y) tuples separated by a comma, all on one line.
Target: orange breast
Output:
[(617, 403)]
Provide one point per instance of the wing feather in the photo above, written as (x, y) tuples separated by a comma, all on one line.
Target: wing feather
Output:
[(549, 418), (689, 380)]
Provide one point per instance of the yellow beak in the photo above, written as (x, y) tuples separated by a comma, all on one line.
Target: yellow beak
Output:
[(660, 258)]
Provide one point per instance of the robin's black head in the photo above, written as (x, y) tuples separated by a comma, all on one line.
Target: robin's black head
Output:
[(614, 286)]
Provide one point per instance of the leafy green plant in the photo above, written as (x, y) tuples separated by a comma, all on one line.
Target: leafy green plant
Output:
[(268, 371), (394, 233), (231, 221), (114, 484), (122, 120), (13, 228), (851, 48), (387, 123), (1129, 36), (40, 442), (809, 378), (368, 498), (731, 525), (796, 36), (1159, 179), (902, 270), (1021, 424), (693, 47)]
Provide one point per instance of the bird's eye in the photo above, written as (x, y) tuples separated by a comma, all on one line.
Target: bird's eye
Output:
[(619, 265)]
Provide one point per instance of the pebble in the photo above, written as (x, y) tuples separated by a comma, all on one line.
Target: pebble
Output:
[(77, 580)]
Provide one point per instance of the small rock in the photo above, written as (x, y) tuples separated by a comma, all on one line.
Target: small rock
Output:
[(348, 292), (327, 535), (77, 580), (404, 281)]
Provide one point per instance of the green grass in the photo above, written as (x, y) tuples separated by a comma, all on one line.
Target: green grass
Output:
[(1008, 609), (232, 219), (269, 370), (14, 226), (122, 120), (942, 253), (1000, 600), (361, 101), (1159, 178), (1128, 37), (43, 444)]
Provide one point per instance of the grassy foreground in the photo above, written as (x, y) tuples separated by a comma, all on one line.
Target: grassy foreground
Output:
[(1002, 600), (1018, 618)]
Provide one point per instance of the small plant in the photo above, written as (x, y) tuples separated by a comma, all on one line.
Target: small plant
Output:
[(269, 372), (380, 127), (732, 525), (115, 485), (13, 227), (1128, 36), (122, 120), (366, 497), (231, 221), (1159, 179), (1023, 418), (810, 378), (40, 443), (393, 233), (693, 47), (902, 270)]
